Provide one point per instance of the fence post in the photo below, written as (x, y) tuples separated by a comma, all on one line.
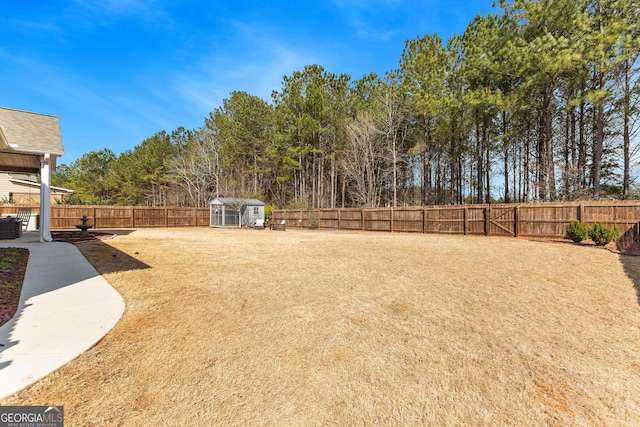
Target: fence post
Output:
[(362, 217), (516, 219), (580, 212), (392, 218), (465, 217), (487, 221), (339, 217), (95, 223), (424, 220)]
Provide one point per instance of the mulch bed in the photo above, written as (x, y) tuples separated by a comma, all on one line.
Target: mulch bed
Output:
[(633, 249), (11, 278), (78, 237)]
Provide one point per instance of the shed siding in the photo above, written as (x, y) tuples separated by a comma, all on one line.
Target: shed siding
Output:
[(223, 215)]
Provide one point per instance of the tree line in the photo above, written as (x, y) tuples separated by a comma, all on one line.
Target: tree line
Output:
[(535, 102)]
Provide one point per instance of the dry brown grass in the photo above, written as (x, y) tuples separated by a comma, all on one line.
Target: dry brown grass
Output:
[(244, 327)]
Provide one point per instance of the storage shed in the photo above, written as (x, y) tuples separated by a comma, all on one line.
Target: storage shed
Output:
[(235, 212)]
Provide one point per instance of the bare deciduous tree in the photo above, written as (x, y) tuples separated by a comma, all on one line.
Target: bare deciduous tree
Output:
[(197, 170), (366, 161), (391, 114)]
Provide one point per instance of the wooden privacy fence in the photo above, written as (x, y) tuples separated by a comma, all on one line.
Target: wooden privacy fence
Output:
[(113, 217), (526, 220)]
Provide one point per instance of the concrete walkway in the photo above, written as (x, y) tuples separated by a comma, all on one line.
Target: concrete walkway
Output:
[(66, 307)]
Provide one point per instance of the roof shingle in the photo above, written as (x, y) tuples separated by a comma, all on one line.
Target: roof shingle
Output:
[(30, 132)]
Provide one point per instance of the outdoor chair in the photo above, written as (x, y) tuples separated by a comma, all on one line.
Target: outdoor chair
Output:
[(10, 228), (24, 214), (278, 227)]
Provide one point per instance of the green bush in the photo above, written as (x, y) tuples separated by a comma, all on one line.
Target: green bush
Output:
[(268, 211), (313, 221), (578, 231), (601, 234)]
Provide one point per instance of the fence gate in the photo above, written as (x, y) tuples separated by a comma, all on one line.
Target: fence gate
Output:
[(501, 221)]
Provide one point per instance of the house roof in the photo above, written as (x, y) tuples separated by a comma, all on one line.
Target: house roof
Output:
[(233, 201), (25, 137), (34, 184)]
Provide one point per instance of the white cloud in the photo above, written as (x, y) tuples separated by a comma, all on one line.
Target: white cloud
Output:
[(369, 18), (37, 26), (105, 12), (93, 114), (118, 7), (257, 68)]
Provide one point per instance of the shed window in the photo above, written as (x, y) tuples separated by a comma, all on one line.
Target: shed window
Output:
[(256, 210)]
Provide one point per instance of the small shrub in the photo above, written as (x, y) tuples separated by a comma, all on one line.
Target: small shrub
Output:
[(268, 211), (578, 231), (313, 221), (601, 234)]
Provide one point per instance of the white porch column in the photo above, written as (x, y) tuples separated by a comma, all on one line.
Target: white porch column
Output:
[(45, 198)]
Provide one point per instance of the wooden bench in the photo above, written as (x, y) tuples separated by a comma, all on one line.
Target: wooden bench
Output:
[(278, 227)]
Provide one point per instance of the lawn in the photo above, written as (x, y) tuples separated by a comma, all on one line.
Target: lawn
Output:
[(247, 327)]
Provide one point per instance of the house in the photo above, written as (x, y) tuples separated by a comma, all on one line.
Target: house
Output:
[(23, 189), (235, 212), (30, 143)]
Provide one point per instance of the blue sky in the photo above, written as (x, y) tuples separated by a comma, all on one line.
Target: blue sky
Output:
[(117, 71)]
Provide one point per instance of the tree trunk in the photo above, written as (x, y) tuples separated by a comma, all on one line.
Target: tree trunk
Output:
[(599, 140), (626, 139), (573, 147), (506, 158), (479, 161), (526, 173), (487, 168), (566, 171), (426, 174), (582, 148), (598, 143), (548, 140), (541, 170)]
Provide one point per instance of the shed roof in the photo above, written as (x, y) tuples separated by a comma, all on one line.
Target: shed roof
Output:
[(25, 137), (233, 201)]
